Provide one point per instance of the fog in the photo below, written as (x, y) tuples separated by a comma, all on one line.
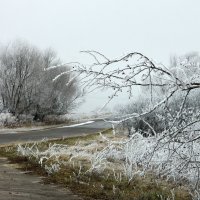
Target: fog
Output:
[(157, 28)]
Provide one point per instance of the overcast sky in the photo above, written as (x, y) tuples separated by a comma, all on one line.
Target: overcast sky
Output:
[(157, 28)]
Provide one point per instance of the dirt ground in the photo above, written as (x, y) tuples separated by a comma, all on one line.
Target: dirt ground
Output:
[(18, 185)]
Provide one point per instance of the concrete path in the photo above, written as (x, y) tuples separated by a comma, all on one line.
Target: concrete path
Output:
[(17, 185)]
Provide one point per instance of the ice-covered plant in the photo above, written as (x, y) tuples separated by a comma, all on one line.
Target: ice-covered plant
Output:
[(173, 150)]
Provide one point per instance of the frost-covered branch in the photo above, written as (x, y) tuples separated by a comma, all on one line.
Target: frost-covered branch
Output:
[(169, 111)]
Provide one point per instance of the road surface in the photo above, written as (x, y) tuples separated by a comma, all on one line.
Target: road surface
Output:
[(58, 132), (19, 186)]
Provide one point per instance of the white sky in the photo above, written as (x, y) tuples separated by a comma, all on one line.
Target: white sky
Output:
[(157, 28)]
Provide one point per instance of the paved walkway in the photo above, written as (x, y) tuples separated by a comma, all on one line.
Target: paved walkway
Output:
[(16, 185)]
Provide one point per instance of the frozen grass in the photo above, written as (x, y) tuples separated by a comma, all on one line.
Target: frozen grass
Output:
[(102, 166)]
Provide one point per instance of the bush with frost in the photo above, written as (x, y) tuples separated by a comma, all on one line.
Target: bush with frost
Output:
[(7, 119)]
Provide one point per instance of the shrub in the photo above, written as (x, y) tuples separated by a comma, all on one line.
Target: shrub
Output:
[(7, 119)]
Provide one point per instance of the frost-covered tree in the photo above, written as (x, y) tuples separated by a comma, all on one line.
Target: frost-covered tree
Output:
[(187, 69), (25, 86), (173, 151)]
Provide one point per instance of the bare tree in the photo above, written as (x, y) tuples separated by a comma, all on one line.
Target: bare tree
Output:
[(18, 64), (185, 68), (26, 88)]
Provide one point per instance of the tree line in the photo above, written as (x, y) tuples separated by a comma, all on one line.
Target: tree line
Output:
[(26, 88)]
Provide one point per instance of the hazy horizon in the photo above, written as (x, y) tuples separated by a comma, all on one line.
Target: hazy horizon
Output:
[(156, 28)]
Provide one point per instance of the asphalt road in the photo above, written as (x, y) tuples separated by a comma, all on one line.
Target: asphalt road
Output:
[(58, 132)]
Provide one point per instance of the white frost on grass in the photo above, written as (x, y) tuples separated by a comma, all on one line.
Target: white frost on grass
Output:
[(130, 157), (75, 125)]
